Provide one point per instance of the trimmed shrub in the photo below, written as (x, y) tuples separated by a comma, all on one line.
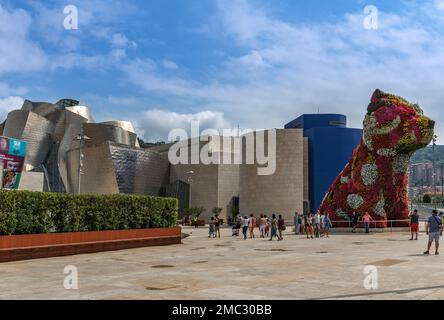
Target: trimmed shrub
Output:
[(24, 212)]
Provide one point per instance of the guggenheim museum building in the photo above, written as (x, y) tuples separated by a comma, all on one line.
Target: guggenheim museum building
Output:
[(67, 151)]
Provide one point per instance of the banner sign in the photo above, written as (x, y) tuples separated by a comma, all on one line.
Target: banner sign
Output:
[(12, 158)]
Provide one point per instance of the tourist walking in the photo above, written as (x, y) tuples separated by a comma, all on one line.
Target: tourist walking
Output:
[(195, 222), (414, 224), (212, 228), (322, 225), (281, 227), (327, 225), (309, 226), (367, 219), (252, 225), (354, 220), (262, 225), (245, 222), (434, 231), (317, 224), (217, 223), (274, 227), (267, 226), (296, 223)]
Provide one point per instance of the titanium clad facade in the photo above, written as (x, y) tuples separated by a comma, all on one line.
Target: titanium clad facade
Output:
[(139, 171)]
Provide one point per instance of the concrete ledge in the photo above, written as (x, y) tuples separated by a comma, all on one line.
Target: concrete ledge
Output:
[(72, 243), (360, 230)]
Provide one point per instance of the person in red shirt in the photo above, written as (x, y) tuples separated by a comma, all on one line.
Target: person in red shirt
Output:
[(367, 219)]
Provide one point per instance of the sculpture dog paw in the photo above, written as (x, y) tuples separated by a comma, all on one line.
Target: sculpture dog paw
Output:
[(376, 178)]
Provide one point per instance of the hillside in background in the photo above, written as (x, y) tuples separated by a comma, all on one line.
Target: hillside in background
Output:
[(426, 155)]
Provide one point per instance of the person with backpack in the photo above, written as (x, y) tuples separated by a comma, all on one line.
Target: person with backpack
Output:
[(434, 231)]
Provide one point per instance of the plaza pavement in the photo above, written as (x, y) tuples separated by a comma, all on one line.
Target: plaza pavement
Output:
[(230, 268)]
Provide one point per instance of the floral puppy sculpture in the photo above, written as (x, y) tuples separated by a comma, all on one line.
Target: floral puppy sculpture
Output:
[(375, 180)]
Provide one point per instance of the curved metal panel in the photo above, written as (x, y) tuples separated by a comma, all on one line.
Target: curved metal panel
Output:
[(99, 132), (81, 111), (98, 175), (41, 108), (139, 171), (125, 125)]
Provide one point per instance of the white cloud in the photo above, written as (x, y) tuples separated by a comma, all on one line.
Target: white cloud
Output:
[(18, 53), (155, 125), (331, 67), (168, 64), (8, 104), (119, 40)]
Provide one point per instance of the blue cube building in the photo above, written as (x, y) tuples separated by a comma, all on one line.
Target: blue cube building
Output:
[(330, 145)]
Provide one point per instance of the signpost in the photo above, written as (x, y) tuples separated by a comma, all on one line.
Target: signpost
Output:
[(12, 158)]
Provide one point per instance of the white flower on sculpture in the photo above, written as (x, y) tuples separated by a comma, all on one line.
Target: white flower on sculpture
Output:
[(345, 180), (389, 128), (341, 213), (379, 208), (369, 174), (370, 123), (355, 201), (386, 152), (401, 163)]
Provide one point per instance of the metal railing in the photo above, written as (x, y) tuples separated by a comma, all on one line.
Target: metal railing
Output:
[(389, 223)]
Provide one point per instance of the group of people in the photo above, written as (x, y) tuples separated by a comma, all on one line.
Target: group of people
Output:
[(268, 227), (215, 223), (313, 225)]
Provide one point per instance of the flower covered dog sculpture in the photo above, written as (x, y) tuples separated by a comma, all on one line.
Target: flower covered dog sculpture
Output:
[(375, 180)]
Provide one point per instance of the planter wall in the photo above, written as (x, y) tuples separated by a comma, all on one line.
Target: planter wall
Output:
[(22, 247)]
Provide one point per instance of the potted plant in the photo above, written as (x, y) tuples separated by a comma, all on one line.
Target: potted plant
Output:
[(195, 213)]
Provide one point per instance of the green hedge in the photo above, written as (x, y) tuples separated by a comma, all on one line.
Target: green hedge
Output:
[(24, 212)]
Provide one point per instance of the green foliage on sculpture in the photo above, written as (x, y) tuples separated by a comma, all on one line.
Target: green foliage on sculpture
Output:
[(375, 180), (23, 212)]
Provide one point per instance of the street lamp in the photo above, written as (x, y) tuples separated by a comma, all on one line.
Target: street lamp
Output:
[(434, 170), (81, 138), (190, 181)]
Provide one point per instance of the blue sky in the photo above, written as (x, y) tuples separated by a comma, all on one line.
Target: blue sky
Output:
[(253, 63)]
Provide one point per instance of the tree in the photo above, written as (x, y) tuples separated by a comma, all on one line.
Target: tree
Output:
[(195, 211), (427, 198), (216, 211)]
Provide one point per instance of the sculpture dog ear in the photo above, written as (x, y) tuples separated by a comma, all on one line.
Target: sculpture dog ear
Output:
[(378, 100)]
